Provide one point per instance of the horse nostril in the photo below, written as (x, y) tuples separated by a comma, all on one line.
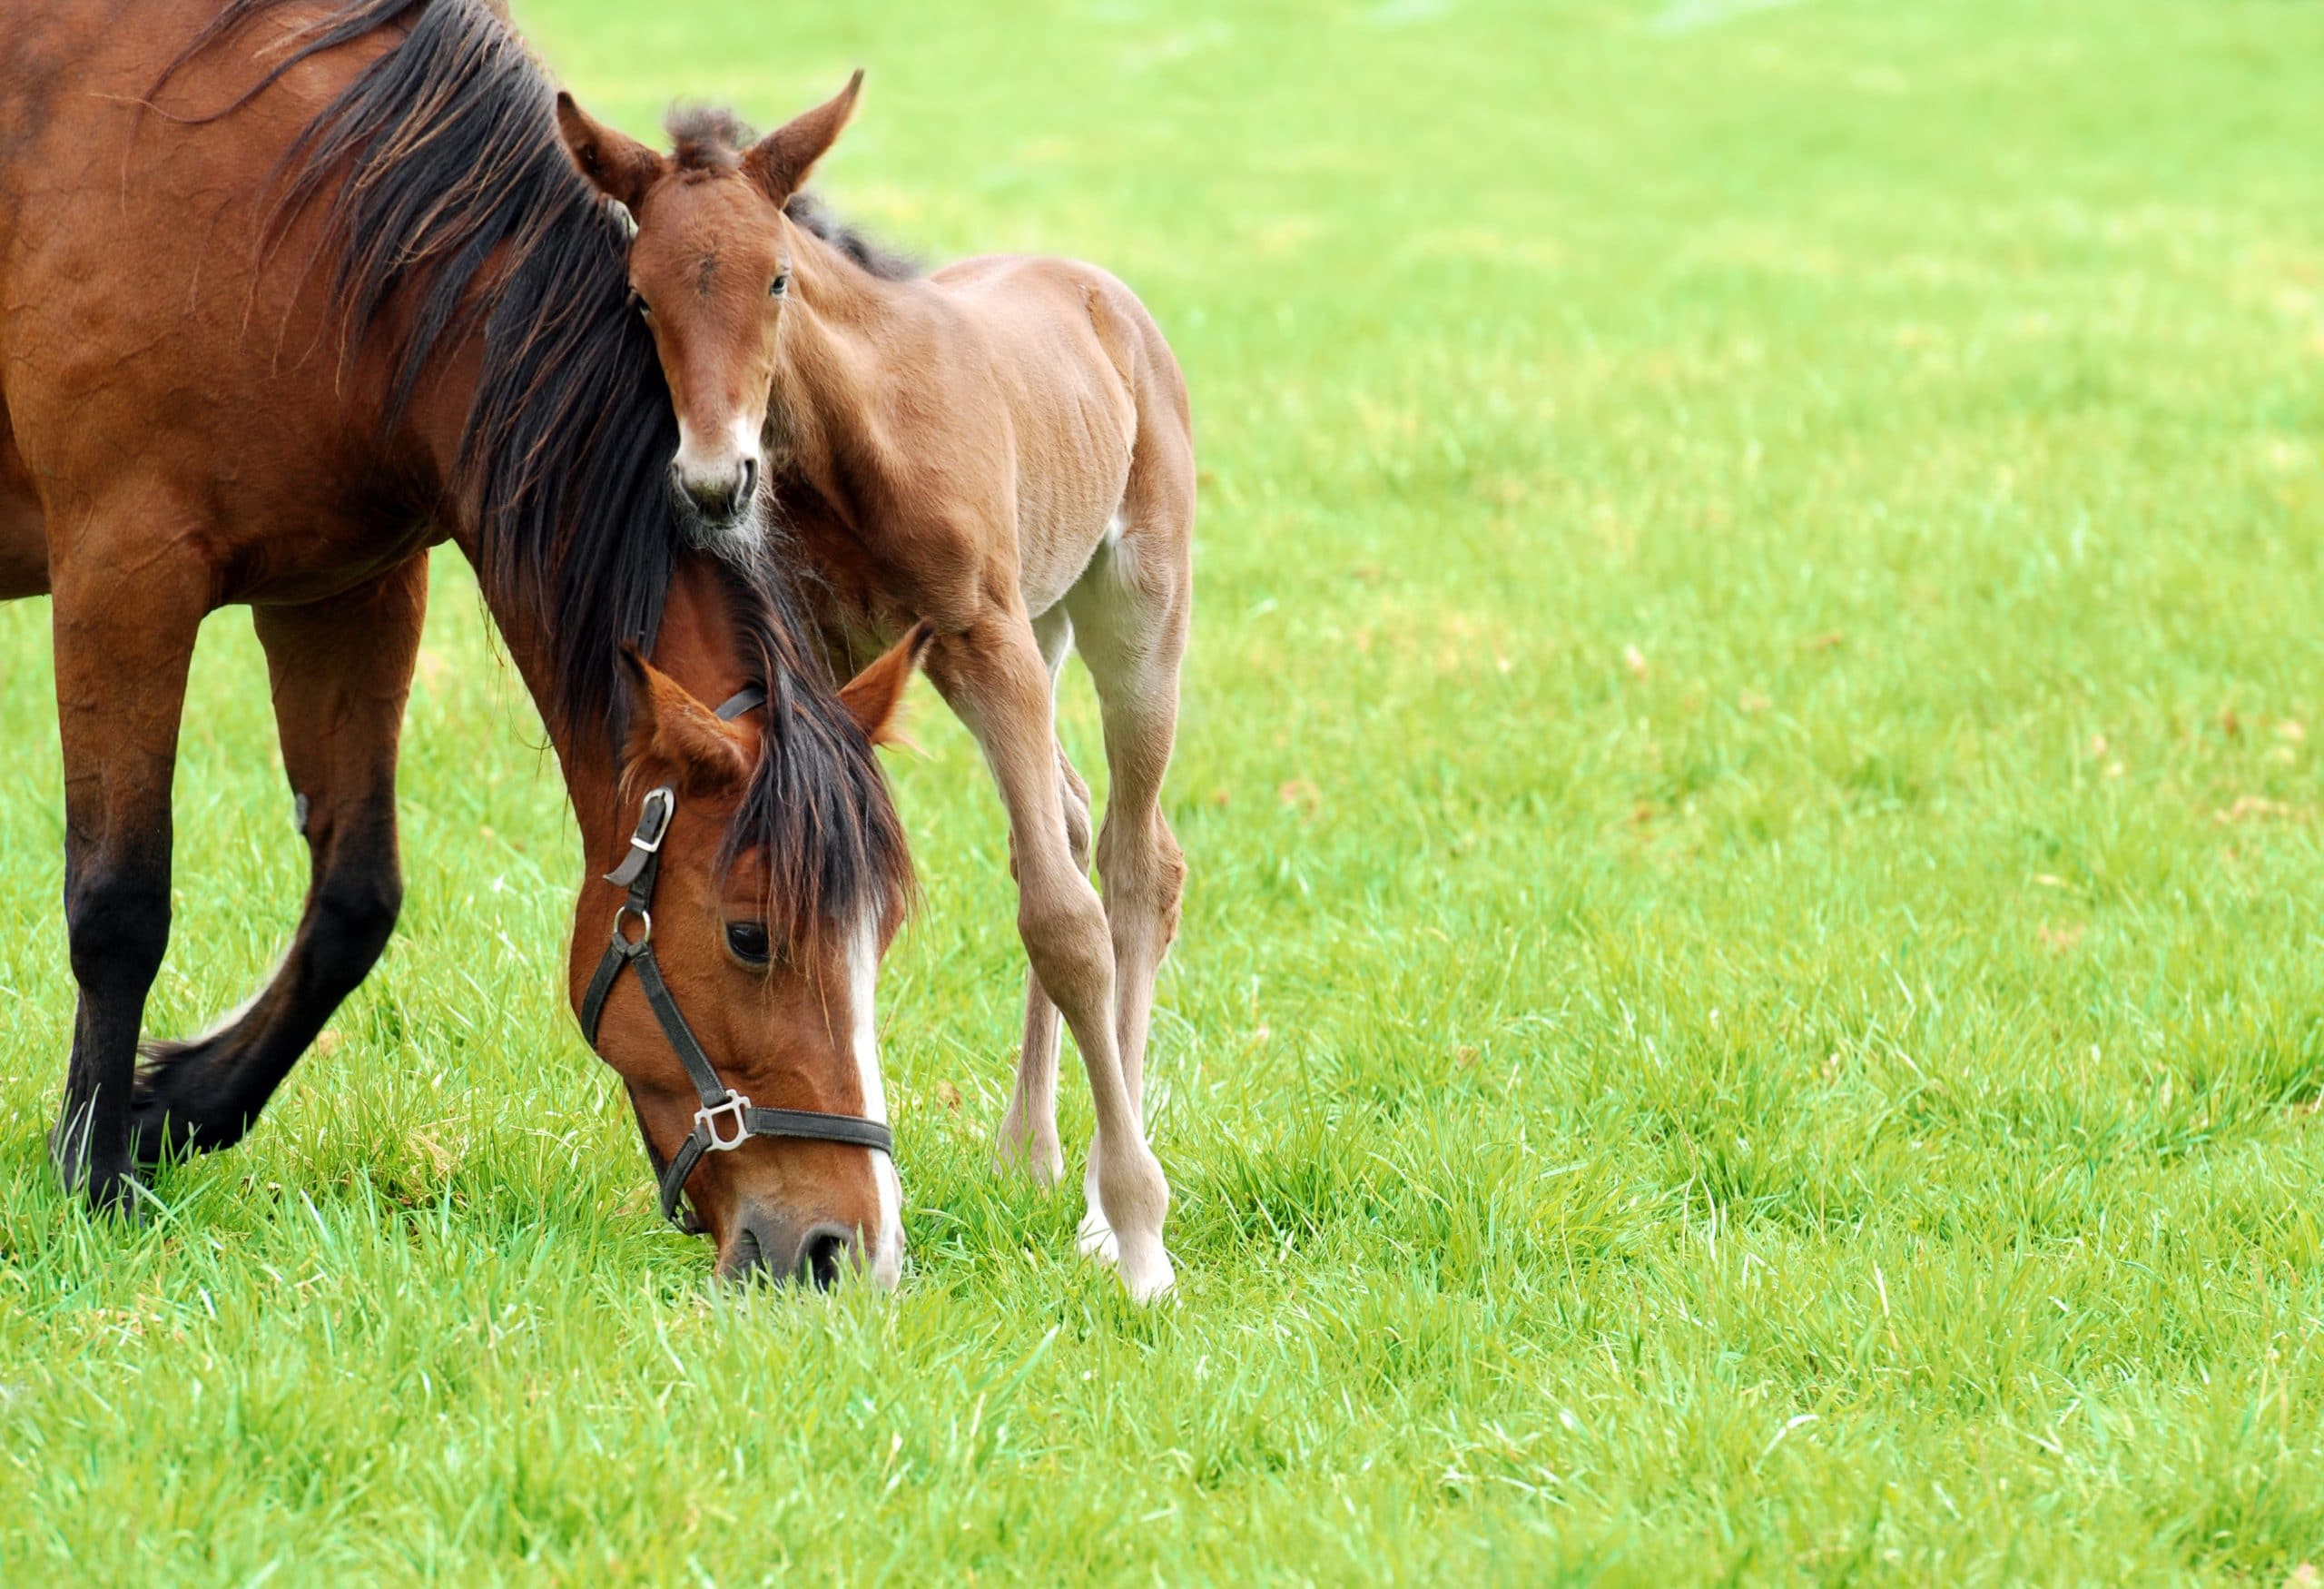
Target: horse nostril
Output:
[(713, 498), (750, 483), (826, 1255)]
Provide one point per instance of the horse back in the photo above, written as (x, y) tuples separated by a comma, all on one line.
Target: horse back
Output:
[(162, 342)]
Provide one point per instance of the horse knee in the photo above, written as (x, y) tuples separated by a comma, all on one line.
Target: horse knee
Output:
[(1066, 939), (1145, 870), (117, 924)]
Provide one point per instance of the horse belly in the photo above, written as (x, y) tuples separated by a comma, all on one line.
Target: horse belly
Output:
[(1073, 472)]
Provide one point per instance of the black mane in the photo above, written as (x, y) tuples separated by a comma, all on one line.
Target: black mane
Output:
[(451, 203)]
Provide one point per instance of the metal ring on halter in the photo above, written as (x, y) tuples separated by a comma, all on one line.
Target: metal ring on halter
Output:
[(622, 940)]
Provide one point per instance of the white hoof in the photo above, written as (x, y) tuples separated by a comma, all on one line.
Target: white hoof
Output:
[(1043, 1163), (1146, 1274), (1098, 1240)]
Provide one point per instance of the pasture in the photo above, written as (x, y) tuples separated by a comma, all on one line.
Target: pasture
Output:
[(1749, 999)]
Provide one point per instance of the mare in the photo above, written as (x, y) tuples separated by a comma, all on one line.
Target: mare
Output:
[(1000, 451), (289, 293)]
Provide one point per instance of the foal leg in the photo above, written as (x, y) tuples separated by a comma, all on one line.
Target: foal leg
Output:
[(123, 634), (340, 671), (1028, 1129), (995, 678), (1130, 613)]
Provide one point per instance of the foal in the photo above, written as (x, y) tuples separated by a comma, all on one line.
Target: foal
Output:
[(1001, 450)]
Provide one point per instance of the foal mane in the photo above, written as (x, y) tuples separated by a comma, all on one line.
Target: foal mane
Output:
[(712, 138), (454, 208)]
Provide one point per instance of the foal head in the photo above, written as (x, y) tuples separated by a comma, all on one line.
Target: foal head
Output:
[(710, 267), (773, 984)]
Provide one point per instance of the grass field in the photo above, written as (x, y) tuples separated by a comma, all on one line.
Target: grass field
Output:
[(1749, 1004)]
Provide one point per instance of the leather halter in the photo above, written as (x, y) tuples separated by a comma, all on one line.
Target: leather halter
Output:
[(726, 1118)]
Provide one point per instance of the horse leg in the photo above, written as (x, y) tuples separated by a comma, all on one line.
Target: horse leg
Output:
[(340, 671), (1130, 613), (23, 532), (123, 633), (996, 679), (1028, 1129)]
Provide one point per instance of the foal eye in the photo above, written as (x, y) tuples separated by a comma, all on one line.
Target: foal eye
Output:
[(748, 940), (781, 285)]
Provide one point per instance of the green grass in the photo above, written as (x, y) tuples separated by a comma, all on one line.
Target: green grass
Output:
[(1749, 1004)]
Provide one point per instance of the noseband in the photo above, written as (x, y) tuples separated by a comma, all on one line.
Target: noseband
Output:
[(726, 1118)]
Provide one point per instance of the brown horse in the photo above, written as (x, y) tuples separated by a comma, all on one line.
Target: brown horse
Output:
[(1000, 452), (289, 292)]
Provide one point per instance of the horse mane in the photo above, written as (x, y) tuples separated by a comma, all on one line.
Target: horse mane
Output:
[(450, 200), (712, 138)]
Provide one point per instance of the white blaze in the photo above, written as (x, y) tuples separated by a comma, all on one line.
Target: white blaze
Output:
[(863, 970)]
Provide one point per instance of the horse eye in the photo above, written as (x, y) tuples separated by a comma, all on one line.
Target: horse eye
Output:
[(748, 940), (637, 303), (781, 285)]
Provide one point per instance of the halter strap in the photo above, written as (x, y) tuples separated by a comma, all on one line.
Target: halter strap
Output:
[(726, 1118)]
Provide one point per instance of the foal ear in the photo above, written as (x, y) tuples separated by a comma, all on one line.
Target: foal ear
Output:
[(780, 161), (875, 697), (668, 728), (616, 165)]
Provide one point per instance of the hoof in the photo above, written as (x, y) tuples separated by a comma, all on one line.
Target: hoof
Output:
[(1146, 1274), (1020, 1149), (1098, 1239), (107, 1180), (1145, 1271), (169, 1108)]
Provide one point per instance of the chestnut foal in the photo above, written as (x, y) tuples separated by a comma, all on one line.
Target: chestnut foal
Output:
[(1001, 451), (289, 293)]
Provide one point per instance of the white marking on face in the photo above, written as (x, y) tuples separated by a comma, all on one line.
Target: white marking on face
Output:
[(745, 439), (716, 457), (862, 977)]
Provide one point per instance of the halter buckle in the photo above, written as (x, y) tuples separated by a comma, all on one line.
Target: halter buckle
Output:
[(734, 1107), (654, 819)]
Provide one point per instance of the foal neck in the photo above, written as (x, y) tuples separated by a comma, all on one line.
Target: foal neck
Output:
[(838, 337)]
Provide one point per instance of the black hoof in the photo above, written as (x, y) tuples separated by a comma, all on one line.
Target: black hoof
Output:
[(174, 1108), (106, 1179)]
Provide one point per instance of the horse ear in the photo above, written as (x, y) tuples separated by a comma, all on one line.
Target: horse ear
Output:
[(616, 165), (780, 161), (875, 697), (669, 729)]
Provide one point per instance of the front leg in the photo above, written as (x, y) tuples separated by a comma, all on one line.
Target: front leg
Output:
[(993, 676), (340, 671), (1028, 1139), (123, 643)]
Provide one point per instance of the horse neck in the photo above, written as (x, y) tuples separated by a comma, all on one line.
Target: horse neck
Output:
[(698, 647), (435, 425)]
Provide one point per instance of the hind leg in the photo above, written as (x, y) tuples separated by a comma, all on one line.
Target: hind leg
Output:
[(1028, 1129), (340, 670), (1130, 614)]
